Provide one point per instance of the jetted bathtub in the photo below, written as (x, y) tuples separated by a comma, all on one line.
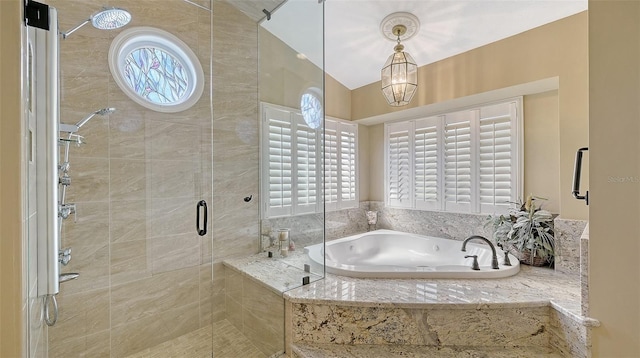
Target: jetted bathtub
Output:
[(394, 254)]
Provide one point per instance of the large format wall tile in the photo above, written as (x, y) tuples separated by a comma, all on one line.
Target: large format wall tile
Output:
[(173, 178), (126, 125), (235, 159), (255, 310), (169, 253), (218, 292), (128, 220), (172, 141), (128, 179), (139, 299), (89, 180), (206, 293), (82, 94), (92, 262), (90, 345), (83, 54), (262, 314), (171, 216), (129, 261), (79, 315), (90, 228), (154, 329)]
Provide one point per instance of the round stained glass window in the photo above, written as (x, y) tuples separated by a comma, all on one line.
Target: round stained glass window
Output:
[(156, 69), (311, 108)]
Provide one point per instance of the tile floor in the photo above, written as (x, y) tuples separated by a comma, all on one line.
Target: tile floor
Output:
[(226, 340)]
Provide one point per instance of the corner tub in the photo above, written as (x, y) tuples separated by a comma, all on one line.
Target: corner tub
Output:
[(394, 254)]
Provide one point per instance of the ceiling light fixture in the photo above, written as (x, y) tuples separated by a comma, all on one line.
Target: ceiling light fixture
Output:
[(399, 74)]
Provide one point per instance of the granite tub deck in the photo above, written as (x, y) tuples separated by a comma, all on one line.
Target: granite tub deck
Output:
[(533, 314)]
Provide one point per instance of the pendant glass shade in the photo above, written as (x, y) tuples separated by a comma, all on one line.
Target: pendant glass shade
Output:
[(399, 78)]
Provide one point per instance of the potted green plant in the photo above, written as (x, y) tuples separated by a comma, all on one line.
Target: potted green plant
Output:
[(526, 232)]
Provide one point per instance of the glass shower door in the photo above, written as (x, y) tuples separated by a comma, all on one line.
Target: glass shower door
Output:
[(136, 181)]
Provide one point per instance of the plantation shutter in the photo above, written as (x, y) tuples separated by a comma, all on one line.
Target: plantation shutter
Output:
[(464, 161), (399, 166), (497, 157), (427, 193), (330, 165), (458, 162), (348, 177), (305, 167), (279, 170), (293, 155)]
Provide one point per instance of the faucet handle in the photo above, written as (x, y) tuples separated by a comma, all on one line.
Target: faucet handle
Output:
[(65, 179), (507, 262), (475, 265), (64, 210), (64, 256)]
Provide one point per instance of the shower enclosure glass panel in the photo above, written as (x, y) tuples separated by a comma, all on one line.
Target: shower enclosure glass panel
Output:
[(136, 179), (256, 73), (291, 91)]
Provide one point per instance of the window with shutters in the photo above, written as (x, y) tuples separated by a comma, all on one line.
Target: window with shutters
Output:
[(340, 164), (427, 173), (295, 165), (462, 161), (399, 165)]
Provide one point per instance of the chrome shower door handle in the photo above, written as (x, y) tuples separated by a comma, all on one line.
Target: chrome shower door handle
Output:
[(577, 170), (201, 208)]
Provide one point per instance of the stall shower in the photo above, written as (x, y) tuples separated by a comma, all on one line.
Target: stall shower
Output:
[(129, 181), (138, 267)]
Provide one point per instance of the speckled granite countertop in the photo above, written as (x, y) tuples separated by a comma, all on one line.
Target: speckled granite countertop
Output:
[(531, 287), (278, 273)]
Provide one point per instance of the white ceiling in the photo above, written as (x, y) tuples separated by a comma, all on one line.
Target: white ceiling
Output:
[(355, 48)]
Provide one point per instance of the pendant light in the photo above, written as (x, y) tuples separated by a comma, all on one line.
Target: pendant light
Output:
[(399, 74)]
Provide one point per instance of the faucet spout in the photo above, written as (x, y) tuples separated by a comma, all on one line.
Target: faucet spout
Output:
[(494, 259)]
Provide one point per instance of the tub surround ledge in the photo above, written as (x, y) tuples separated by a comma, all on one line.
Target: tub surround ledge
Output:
[(532, 287), (538, 308)]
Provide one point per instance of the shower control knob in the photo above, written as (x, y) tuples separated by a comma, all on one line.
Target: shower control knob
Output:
[(64, 256), (66, 210), (65, 180), (64, 167)]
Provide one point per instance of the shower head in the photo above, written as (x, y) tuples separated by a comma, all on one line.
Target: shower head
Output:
[(101, 112), (104, 111), (105, 19), (73, 128), (110, 19)]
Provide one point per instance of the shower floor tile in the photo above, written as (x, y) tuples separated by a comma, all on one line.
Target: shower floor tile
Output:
[(228, 342), (224, 338)]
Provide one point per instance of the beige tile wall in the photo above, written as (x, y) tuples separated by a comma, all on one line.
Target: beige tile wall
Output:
[(256, 311), (235, 148), (235, 133), (145, 274)]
